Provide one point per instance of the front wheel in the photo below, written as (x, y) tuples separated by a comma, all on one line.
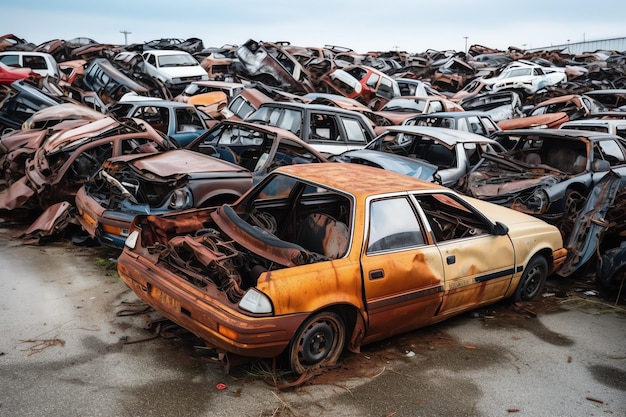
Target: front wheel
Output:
[(318, 343), (533, 279)]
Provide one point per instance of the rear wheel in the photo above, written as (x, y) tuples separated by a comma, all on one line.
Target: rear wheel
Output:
[(533, 279), (318, 343)]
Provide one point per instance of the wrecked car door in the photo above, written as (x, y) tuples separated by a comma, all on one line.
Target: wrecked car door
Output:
[(402, 269), (461, 234)]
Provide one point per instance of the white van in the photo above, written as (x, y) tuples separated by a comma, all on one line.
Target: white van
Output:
[(40, 62)]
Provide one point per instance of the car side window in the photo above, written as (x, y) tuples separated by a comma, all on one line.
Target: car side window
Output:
[(611, 151), (449, 219), (372, 80), (476, 126), (35, 62), (393, 225), (354, 131), (187, 121), (290, 120), (324, 127), (386, 89)]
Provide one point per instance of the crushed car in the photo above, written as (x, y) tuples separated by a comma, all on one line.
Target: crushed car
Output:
[(310, 262), (68, 158), (547, 173), (270, 64), (216, 168)]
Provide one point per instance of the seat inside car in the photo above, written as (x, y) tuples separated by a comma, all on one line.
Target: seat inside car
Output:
[(323, 234)]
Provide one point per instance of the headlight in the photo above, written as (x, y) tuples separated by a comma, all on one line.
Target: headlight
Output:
[(538, 202), (131, 240), (180, 199), (255, 301)]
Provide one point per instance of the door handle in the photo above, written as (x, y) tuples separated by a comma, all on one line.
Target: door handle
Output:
[(451, 259), (377, 274)]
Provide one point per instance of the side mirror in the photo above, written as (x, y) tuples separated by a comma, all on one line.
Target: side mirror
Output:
[(500, 229), (600, 165)]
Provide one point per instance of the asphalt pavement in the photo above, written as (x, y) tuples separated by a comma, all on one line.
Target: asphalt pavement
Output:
[(76, 342)]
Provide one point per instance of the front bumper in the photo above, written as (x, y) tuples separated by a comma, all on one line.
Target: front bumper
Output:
[(206, 312)]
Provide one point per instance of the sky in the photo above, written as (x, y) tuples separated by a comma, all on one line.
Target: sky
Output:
[(406, 25)]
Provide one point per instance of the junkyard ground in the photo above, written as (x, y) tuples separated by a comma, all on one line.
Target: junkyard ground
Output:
[(76, 342)]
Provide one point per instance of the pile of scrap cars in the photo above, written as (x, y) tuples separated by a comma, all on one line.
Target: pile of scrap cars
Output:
[(261, 197)]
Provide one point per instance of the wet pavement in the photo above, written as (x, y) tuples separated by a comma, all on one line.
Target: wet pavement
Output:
[(76, 342)]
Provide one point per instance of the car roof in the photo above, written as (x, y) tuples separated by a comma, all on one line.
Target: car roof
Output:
[(359, 180), (167, 52), (12, 52), (572, 134), (214, 83), (454, 114), (157, 103), (309, 106), (445, 135), (595, 122)]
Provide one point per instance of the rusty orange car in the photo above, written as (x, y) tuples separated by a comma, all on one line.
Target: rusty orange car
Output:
[(316, 259)]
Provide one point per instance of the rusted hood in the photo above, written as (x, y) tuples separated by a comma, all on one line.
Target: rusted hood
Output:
[(18, 194), (493, 184), (549, 120), (20, 138), (52, 221), (176, 162), (85, 131)]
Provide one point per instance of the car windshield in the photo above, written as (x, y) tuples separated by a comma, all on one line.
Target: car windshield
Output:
[(405, 105), (178, 60)]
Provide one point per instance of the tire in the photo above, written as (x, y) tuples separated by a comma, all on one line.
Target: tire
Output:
[(533, 279), (318, 343)]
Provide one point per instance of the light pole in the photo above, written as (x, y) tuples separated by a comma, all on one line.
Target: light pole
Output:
[(465, 37), (126, 33)]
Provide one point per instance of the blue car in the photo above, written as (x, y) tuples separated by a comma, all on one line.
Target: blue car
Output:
[(180, 121)]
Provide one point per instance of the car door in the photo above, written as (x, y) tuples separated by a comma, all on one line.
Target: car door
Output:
[(478, 264), (403, 273)]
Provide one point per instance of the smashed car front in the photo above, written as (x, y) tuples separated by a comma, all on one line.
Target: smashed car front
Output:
[(196, 281), (130, 185), (512, 184)]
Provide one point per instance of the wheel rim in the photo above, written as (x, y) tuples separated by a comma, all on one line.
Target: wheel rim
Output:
[(318, 344), (533, 281)]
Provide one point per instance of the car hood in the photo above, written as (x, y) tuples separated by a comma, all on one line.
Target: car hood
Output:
[(181, 72), (512, 218), (177, 162), (492, 184)]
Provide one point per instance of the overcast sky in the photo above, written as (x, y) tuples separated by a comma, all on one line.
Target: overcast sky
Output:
[(409, 25)]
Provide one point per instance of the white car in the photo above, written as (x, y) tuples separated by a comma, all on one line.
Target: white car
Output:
[(175, 68), (526, 77), (42, 63)]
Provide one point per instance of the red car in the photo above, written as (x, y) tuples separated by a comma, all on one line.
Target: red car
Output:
[(9, 74)]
